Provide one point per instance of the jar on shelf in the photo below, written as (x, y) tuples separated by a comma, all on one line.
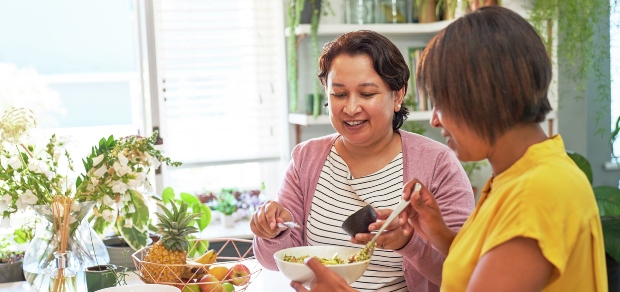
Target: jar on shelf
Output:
[(391, 11), (359, 11)]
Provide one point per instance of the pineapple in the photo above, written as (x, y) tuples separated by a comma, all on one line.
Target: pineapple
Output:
[(165, 260)]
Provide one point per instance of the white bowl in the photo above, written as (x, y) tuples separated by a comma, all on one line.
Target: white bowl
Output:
[(142, 288), (302, 274)]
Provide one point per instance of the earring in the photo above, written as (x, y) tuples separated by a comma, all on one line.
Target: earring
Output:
[(399, 106)]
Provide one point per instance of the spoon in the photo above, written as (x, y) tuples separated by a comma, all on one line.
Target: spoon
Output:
[(399, 208)]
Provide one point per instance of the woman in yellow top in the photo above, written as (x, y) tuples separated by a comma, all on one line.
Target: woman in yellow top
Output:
[(536, 226)]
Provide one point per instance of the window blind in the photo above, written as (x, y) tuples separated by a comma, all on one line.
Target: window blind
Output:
[(217, 64)]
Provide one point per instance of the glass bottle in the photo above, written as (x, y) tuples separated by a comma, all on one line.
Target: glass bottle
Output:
[(62, 278), (391, 11), (360, 11)]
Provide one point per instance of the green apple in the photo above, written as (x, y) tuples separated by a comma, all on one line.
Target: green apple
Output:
[(191, 288), (228, 287)]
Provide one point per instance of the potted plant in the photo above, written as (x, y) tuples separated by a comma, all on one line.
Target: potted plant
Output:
[(294, 15), (608, 200), (226, 203), (13, 243), (470, 168)]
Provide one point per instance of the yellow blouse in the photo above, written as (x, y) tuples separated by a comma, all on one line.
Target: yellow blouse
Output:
[(543, 196)]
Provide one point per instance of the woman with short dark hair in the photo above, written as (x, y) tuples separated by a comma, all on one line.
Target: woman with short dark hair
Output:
[(536, 226)]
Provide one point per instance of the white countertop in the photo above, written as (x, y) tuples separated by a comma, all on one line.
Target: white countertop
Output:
[(264, 280)]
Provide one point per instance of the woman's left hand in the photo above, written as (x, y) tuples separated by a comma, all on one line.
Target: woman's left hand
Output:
[(391, 238)]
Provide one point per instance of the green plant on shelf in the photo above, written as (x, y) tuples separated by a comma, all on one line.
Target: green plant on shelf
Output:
[(226, 203)]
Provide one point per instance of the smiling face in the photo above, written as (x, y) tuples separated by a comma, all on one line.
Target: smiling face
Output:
[(466, 143), (361, 105)]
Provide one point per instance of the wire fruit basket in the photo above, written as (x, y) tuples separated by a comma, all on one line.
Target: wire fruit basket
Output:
[(234, 266)]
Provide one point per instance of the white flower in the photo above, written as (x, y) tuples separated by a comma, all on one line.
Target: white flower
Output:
[(101, 171), (134, 183), (132, 209), (119, 187), (15, 163), (121, 170), (98, 159), (128, 223), (156, 163), (107, 216), (108, 201), (72, 219), (34, 166), (127, 197), (5, 202), (75, 207), (122, 159), (94, 180), (29, 198)]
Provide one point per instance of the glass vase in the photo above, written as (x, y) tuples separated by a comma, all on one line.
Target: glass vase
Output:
[(85, 248), (62, 277)]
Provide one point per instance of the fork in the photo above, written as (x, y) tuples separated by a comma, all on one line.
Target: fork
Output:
[(288, 225), (399, 208)]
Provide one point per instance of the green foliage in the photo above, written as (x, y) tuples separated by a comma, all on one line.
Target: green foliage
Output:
[(579, 22), (226, 202), (9, 253), (608, 200), (472, 166), (295, 7), (414, 127), (615, 133), (168, 197), (582, 163)]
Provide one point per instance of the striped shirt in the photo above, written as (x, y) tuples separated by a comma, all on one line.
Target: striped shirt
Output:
[(339, 195)]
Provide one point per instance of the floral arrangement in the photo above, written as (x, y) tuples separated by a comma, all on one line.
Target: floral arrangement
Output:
[(115, 178)]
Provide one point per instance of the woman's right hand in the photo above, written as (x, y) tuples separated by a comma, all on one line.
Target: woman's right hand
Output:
[(265, 220), (423, 217)]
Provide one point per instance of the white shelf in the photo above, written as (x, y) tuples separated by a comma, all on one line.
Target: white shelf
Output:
[(382, 28), (308, 120)]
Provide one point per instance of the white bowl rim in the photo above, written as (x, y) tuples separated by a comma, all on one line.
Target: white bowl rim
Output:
[(119, 288), (317, 246)]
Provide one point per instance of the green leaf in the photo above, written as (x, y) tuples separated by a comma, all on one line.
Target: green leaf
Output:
[(167, 195), (20, 236), (582, 163), (99, 225), (136, 239), (102, 143), (190, 199), (196, 247), (140, 217), (205, 217), (611, 235), (111, 141), (608, 200)]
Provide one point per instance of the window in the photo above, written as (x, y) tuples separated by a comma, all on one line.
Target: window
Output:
[(73, 63), (219, 70)]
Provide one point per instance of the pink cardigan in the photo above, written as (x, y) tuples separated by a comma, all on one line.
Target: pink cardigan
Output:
[(430, 161)]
